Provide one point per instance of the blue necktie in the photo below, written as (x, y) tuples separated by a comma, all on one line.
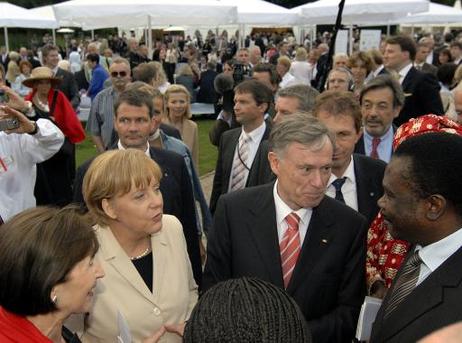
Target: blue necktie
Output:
[(338, 189)]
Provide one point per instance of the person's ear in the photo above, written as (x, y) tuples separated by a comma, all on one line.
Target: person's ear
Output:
[(274, 162), (108, 208), (436, 206)]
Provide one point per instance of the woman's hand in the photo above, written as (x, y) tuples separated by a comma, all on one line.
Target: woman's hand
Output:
[(14, 99), (25, 125), (156, 336)]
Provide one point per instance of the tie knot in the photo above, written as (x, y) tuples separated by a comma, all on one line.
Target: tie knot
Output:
[(244, 139), (376, 141), (415, 259), (292, 220), (338, 183)]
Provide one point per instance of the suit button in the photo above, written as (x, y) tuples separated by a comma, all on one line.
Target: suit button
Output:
[(156, 311)]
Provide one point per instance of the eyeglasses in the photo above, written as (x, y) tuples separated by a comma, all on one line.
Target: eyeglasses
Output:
[(118, 73)]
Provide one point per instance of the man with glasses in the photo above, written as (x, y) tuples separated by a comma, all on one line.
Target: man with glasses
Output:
[(100, 121)]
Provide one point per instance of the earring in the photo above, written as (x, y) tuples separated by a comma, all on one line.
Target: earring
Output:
[(54, 299)]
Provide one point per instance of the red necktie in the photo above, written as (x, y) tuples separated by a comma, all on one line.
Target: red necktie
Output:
[(290, 247), (375, 144)]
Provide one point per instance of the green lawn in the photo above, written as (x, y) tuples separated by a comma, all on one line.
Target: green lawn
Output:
[(207, 152)]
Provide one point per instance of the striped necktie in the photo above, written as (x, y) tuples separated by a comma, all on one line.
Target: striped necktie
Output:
[(375, 144), (240, 165), (405, 283), (290, 247)]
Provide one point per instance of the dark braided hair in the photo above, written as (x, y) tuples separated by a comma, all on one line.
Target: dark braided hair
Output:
[(246, 310)]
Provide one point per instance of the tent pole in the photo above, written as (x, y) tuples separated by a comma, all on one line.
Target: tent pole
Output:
[(148, 36), (388, 30), (350, 41), (92, 34), (53, 32), (5, 33)]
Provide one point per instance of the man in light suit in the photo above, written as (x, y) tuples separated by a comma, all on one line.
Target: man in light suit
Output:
[(422, 203), (381, 100), (252, 99), (421, 90), (356, 180), (68, 85), (324, 253)]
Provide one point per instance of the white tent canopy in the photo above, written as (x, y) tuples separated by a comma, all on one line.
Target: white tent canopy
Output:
[(259, 12), (94, 14), (47, 12), (437, 14), (357, 12), (15, 16)]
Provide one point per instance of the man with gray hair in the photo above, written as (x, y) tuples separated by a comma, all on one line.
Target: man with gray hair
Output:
[(291, 234), (298, 98), (381, 101)]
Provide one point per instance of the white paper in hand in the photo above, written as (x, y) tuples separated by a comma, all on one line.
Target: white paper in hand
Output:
[(124, 331), (367, 316)]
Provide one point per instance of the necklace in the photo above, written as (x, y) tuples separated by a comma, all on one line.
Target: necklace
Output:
[(143, 254)]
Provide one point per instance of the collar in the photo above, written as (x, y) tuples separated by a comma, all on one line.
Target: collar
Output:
[(283, 210), (55, 70), (255, 135), (121, 147), (378, 70), (403, 72), (434, 255), (349, 173), (385, 136)]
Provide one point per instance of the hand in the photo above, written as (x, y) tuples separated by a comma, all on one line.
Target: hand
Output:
[(176, 328), (25, 125), (156, 336), (14, 100)]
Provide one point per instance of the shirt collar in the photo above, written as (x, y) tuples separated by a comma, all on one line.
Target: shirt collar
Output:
[(403, 72), (255, 135), (349, 173), (283, 210), (121, 147), (433, 255)]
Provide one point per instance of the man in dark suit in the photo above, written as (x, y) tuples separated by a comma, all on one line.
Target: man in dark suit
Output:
[(356, 180), (292, 235), (422, 202), (420, 62), (134, 111), (68, 85), (207, 92), (381, 100), (240, 147), (421, 90)]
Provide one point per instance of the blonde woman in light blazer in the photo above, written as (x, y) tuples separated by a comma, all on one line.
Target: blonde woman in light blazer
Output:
[(149, 280), (177, 114)]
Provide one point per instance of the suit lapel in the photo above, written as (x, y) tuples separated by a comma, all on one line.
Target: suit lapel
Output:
[(407, 82), (253, 172), (115, 256), (159, 246), (228, 157), (362, 185), (428, 295), (263, 230), (314, 246)]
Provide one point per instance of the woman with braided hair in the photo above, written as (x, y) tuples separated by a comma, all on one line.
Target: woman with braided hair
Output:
[(246, 310)]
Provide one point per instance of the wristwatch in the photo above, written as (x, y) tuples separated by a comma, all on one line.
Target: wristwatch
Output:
[(34, 123)]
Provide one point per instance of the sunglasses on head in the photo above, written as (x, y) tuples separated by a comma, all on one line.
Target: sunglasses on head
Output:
[(118, 73)]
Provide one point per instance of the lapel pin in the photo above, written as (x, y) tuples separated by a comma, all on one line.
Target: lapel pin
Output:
[(324, 240), (371, 194)]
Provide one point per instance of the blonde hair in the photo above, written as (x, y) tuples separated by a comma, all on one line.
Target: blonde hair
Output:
[(115, 173), (161, 77), (175, 89), (301, 55), (186, 70), (285, 61)]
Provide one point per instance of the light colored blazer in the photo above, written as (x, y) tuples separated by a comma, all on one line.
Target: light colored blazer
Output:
[(122, 289), (190, 137)]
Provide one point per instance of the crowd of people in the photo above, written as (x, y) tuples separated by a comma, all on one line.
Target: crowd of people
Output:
[(335, 180)]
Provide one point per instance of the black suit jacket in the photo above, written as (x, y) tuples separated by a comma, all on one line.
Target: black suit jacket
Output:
[(68, 86), (176, 190), (369, 175), (429, 68), (422, 96), (207, 92), (229, 141), (328, 282), (432, 305)]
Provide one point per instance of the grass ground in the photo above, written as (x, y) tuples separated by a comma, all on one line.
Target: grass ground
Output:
[(207, 151)]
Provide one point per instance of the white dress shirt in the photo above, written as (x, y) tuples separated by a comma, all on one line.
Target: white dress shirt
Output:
[(435, 254), (253, 143), (349, 187), (19, 154), (283, 210), (288, 80)]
